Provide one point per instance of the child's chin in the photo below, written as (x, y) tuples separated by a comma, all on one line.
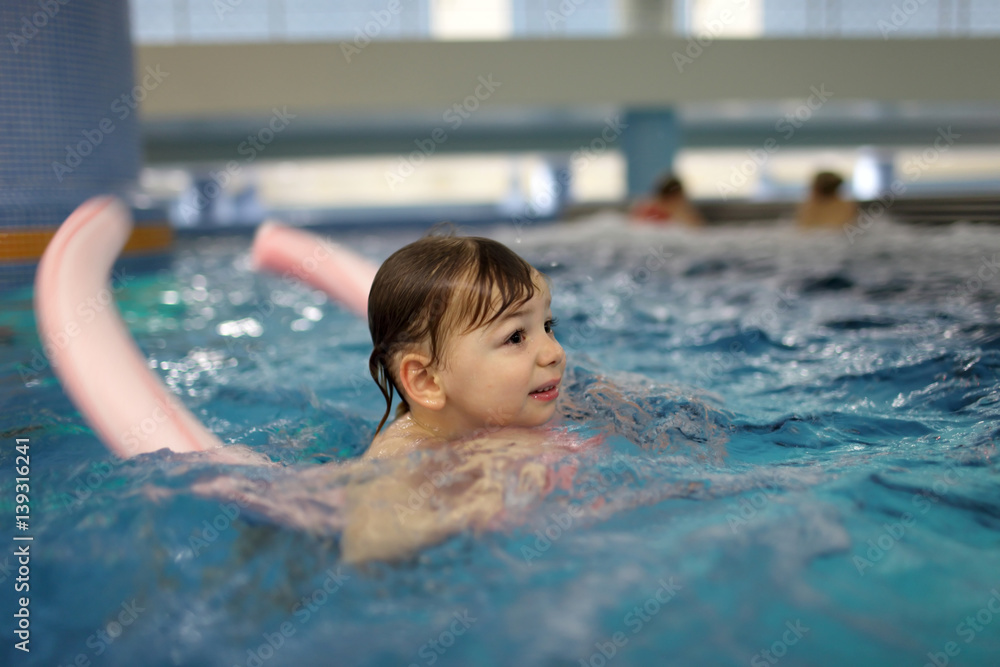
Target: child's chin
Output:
[(533, 421), (542, 421)]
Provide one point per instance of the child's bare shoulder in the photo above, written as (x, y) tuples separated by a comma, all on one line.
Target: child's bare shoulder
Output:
[(399, 438)]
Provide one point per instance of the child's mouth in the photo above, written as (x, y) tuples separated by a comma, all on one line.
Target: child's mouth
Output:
[(547, 392)]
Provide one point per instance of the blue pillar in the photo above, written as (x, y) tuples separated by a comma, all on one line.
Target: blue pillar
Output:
[(562, 177), (886, 169), (68, 122), (649, 141)]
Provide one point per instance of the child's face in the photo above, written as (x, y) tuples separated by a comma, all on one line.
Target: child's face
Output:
[(506, 373)]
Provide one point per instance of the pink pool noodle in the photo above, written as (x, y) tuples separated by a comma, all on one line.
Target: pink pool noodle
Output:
[(95, 358), (345, 276), (92, 352)]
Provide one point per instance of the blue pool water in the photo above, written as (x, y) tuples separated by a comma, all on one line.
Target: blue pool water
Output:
[(800, 467)]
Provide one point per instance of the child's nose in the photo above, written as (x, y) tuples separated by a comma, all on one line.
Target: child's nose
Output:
[(552, 353)]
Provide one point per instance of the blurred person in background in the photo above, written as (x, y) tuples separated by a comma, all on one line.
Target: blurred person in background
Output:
[(825, 208), (669, 206)]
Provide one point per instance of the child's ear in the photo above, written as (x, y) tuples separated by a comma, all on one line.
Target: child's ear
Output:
[(419, 380)]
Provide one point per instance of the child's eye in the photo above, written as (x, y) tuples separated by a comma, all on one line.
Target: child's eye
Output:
[(516, 338), (551, 324)]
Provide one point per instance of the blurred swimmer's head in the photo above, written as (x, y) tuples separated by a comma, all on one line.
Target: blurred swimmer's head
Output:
[(826, 184)]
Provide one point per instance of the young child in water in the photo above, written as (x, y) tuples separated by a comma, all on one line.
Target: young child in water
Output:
[(462, 331)]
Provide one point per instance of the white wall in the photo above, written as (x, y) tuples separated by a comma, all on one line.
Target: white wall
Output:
[(222, 81)]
